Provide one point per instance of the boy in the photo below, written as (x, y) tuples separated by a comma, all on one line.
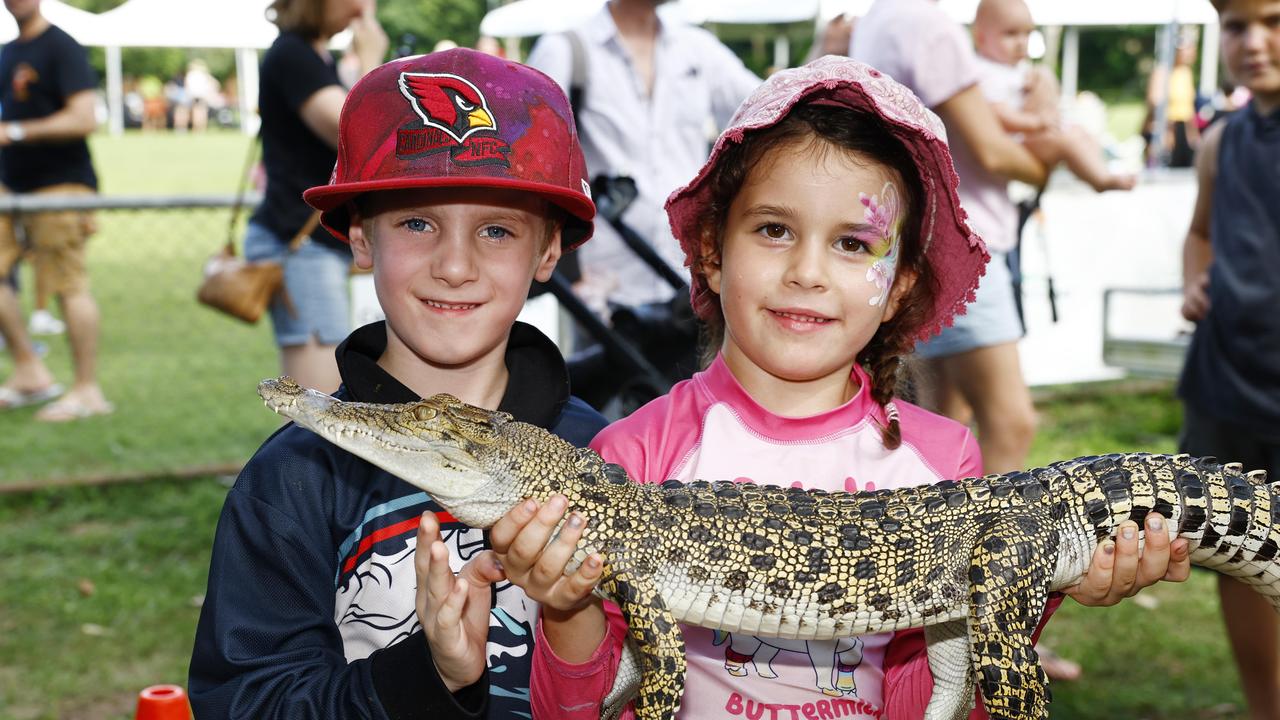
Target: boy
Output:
[(459, 180), (1026, 100), (1230, 384)]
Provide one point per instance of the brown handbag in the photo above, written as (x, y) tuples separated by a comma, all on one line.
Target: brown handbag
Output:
[(241, 288), (238, 287)]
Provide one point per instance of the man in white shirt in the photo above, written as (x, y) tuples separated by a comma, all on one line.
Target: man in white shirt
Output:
[(654, 94)]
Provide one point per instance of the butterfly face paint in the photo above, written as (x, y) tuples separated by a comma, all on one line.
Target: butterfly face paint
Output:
[(882, 214)]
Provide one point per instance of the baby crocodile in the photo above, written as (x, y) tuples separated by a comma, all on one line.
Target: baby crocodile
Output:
[(972, 560)]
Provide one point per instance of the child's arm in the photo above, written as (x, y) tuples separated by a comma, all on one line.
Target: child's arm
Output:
[(267, 646), (579, 643), (1197, 251), (1016, 121), (453, 611), (968, 116)]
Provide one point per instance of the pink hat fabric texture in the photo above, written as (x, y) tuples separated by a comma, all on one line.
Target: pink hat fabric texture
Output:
[(458, 118), (957, 255)]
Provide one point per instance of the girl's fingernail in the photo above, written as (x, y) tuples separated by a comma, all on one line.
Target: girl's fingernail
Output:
[(575, 521), (1128, 532), (1157, 523), (530, 506), (593, 562), (1109, 547), (498, 563)]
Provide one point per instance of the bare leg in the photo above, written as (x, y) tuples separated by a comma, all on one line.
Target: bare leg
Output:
[(1254, 632), (83, 322), (312, 365), (1081, 154), (29, 373), (989, 381)]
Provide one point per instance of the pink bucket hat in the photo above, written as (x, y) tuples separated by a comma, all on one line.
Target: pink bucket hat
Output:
[(956, 254)]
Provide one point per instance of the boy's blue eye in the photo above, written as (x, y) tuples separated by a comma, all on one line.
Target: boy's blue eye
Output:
[(416, 224), (494, 232)]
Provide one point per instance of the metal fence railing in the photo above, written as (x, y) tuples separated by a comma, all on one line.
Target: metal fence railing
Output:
[(181, 376)]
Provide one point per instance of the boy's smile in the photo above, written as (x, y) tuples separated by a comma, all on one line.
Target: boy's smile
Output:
[(452, 267), (807, 262)]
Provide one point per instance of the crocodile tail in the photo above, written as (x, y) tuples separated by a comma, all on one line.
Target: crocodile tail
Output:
[(1232, 519)]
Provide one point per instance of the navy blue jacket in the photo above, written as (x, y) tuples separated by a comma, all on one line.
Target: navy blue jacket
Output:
[(310, 606)]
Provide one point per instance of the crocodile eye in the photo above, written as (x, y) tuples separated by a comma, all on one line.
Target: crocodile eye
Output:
[(423, 412)]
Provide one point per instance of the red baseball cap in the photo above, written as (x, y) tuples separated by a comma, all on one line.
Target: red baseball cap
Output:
[(458, 118), (956, 254)]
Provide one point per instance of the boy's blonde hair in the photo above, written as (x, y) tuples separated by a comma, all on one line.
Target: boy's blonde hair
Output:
[(304, 17)]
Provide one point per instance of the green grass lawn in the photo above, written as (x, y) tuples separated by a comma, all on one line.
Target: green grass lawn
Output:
[(181, 376)]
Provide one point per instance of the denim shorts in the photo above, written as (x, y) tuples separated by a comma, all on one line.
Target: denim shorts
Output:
[(991, 319), (316, 278)]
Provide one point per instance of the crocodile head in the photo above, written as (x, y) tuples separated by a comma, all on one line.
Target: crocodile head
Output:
[(440, 445)]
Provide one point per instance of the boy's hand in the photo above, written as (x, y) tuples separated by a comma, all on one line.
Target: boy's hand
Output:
[(454, 611), (521, 541), (1195, 298), (1118, 570)]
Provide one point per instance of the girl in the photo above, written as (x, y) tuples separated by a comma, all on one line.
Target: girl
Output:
[(824, 238)]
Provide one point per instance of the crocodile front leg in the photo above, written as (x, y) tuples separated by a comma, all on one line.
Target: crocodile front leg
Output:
[(656, 639), (1008, 580)]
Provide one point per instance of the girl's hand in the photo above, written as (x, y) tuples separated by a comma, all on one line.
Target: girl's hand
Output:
[(453, 611), (1119, 571), (521, 540)]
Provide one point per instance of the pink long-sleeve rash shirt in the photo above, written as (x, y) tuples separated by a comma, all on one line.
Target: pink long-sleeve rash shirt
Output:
[(709, 428)]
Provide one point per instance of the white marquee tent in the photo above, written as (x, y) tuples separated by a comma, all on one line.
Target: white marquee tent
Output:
[(241, 25)]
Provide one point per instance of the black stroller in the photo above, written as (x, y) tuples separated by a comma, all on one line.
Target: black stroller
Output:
[(644, 349)]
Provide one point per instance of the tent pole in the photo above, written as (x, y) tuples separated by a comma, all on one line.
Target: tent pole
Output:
[(1166, 39), (247, 86), (1070, 63), (1209, 60), (781, 50), (115, 90)]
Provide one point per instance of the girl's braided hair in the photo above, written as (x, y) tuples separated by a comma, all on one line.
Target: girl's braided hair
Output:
[(864, 135)]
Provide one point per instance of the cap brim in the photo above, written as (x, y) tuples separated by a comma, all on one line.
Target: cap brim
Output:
[(331, 200)]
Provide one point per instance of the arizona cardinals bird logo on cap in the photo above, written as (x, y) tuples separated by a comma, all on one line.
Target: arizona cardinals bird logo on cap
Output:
[(455, 107)]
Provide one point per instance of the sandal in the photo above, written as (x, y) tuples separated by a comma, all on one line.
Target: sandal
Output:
[(1057, 667), (72, 408), (12, 398)]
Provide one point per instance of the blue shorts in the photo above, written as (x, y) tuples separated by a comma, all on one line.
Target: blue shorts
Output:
[(316, 278), (991, 319)]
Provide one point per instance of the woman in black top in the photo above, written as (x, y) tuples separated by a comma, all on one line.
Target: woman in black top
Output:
[(299, 100)]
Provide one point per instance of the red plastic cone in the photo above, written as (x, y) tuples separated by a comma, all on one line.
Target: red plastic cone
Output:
[(163, 702)]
